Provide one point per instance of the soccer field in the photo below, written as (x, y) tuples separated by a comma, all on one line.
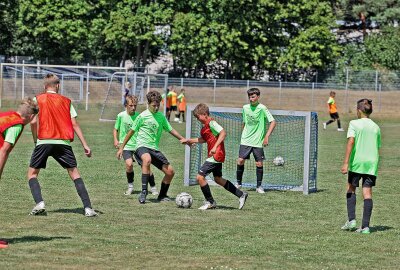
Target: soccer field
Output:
[(278, 230)]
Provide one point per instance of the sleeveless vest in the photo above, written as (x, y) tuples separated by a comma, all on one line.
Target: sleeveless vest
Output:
[(211, 139), (7, 120), (54, 117)]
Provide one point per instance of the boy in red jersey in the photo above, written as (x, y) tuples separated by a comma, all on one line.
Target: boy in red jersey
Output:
[(53, 131), (11, 126), (213, 134)]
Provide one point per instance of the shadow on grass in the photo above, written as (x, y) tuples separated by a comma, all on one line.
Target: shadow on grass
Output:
[(380, 228), (223, 207), (79, 211), (31, 238)]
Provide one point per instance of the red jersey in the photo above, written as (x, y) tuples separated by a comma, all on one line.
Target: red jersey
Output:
[(211, 139), (54, 117), (7, 120)]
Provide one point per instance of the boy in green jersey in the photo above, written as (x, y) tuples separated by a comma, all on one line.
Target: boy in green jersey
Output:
[(148, 128), (255, 135), (122, 125), (361, 161)]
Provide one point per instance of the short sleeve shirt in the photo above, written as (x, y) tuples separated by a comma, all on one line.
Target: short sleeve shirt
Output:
[(364, 157), (123, 124), (11, 134), (332, 105), (64, 142), (255, 120), (149, 127), (215, 129)]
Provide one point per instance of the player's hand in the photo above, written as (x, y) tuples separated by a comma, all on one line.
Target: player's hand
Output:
[(345, 168), (116, 144), (265, 142), (119, 154), (183, 141), (213, 151), (88, 152)]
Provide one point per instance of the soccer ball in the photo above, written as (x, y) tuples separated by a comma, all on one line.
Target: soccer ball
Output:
[(278, 161), (184, 200)]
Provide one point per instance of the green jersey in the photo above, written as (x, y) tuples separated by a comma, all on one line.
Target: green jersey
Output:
[(65, 142), (255, 120), (11, 134), (215, 129), (364, 157), (149, 127), (123, 124)]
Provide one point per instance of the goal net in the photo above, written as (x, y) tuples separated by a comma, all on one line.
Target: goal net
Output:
[(295, 138), (136, 83)]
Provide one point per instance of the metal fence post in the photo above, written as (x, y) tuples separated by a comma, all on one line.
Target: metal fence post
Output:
[(87, 86), (280, 93), (347, 90), (376, 80), (23, 80), (312, 96), (1, 81), (215, 86), (380, 98), (181, 83)]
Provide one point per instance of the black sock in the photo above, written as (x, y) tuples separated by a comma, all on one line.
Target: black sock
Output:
[(259, 174), (35, 190), (329, 122), (338, 124), (351, 205), (163, 190), (145, 181), (183, 116), (82, 192), (232, 189), (207, 193), (130, 176), (151, 180), (368, 205), (239, 173)]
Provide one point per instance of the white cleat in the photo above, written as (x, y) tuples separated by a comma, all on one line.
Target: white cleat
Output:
[(129, 191), (153, 191), (340, 129), (38, 209), (89, 212), (207, 205), (324, 125), (260, 190)]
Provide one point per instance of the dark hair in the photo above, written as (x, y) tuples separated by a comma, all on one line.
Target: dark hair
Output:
[(365, 105), (332, 93), (253, 91), (153, 96), (51, 80), (201, 109)]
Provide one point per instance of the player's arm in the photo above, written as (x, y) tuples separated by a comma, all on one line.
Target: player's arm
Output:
[(126, 140), (176, 134), (115, 135), (34, 128), (4, 152), (79, 133), (271, 128), (221, 138), (349, 148), (195, 140)]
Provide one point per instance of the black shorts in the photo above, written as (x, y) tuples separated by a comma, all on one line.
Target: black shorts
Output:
[(157, 158), (211, 167), (334, 115), (127, 154), (245, 151), (354, 179), (174, 108), (168, 109), (63, 154)]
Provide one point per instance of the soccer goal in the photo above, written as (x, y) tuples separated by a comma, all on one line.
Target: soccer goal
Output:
[(295, 139), (140, 84)]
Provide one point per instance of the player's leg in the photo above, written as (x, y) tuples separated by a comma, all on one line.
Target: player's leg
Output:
[(244, 153), (368, 183), (152, 183), (146, 162), (259, 157), (352, 184), (338, 123), (169, 173), (130, 174), (242, 195), (38, 161), (209, 202), (332, 115)]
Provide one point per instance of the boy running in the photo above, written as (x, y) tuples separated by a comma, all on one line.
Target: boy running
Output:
[(361, 161), (149, 126), (53, 133), (122, 125), (332, 110), (213, 134), (254, 136), (181, 106)]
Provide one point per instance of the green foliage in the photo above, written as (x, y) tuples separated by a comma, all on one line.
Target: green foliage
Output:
[(8, 11)]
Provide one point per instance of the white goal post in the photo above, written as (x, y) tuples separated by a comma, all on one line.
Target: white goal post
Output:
[(295, 138)]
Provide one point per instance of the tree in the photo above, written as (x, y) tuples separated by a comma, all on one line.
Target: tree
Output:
[(8, 11)]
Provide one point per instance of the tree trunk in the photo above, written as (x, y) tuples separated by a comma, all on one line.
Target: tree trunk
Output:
[(145, 53), (138, 54)]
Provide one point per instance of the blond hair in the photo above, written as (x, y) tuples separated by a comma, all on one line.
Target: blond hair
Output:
[(51, 80), (201, 109), (132, 99), (28, 107)]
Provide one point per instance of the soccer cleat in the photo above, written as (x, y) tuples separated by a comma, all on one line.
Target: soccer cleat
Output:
[(38, 209), (340, 129), (207, 205), (324, 125), (242, 199), (164, 199), (363, 230), (154, 191), (260, 190), (129, 191), (350, 225), (89, 212), (238, 186), (142, 197)]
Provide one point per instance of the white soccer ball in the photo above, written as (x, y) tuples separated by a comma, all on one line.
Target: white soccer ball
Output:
[(184, 200), (278, 161)]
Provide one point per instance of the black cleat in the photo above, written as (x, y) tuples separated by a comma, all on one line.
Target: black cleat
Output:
[(142, 197)]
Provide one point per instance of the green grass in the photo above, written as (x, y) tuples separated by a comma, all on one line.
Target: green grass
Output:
[(280, 230)]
